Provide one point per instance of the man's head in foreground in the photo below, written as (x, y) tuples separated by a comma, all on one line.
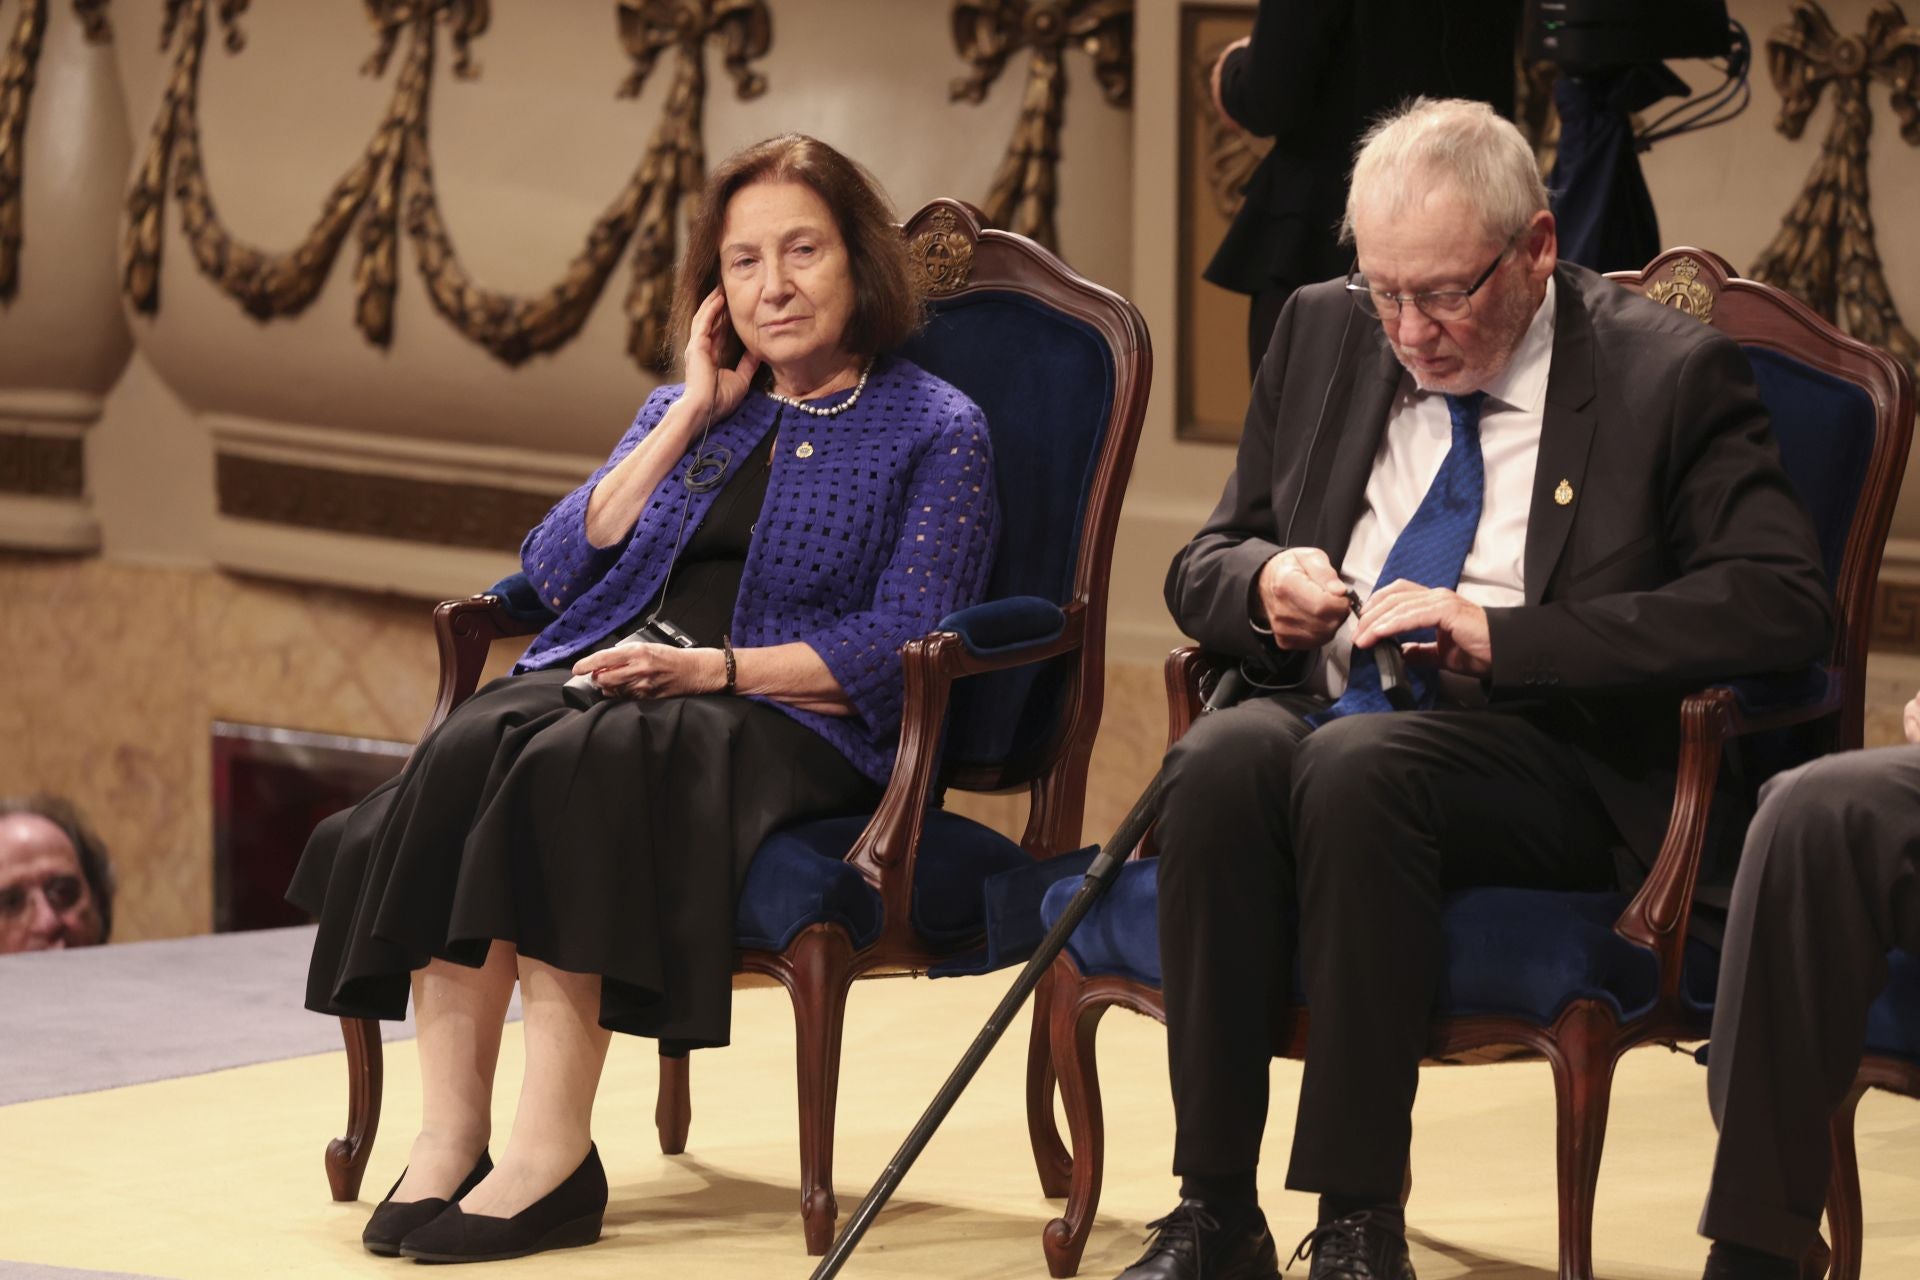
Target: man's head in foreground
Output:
[(56, 886)]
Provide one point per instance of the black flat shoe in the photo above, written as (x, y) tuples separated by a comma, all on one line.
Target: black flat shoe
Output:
[(565, 1218), (391, 1222)]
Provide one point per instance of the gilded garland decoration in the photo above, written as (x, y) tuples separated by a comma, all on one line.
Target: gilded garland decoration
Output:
[(1824, 251), (987, 33), (393, 179), (17, 67), (1231, 153)]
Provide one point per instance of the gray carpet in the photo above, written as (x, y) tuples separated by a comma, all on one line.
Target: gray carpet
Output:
[(103, 1017), (34, 1271)]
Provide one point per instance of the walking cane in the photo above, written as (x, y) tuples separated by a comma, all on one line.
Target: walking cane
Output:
[(1099, 878)]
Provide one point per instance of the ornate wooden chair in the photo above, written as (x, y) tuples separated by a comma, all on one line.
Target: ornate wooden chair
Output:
[(1004, 695), (1580, 978), (1892, 1062)]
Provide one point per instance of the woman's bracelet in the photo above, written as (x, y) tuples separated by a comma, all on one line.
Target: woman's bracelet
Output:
[(733, 670)]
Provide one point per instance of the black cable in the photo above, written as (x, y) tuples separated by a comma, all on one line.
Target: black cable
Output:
[(704, 471), (1717, 105)]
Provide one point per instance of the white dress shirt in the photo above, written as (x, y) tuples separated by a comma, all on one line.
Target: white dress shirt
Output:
[(1419, 433)]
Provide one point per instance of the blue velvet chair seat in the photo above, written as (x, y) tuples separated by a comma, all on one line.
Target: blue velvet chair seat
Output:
[(799, 878), (1523, 953), (1893, 1023)]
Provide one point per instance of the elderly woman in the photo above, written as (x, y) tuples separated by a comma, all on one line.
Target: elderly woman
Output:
[(802, 505)]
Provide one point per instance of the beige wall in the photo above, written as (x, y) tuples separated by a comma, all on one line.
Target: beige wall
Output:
[(125, 660), (116, 672), (122, 663), (526, 157)]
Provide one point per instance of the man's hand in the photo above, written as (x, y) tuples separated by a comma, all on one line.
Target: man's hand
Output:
[(1304, 599), (1912, 720), (1213, 80), (1462, 644)]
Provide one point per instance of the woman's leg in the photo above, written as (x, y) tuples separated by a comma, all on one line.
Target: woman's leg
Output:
[(566, 1047), (459, 1012)]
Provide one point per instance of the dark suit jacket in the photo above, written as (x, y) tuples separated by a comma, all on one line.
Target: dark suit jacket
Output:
[(1315, 76), (1684, 557)]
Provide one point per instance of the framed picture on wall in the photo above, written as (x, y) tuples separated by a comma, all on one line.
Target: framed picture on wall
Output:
[(1215, 160)]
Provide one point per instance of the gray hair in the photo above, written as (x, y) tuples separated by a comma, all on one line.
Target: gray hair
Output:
[(1428, 142)]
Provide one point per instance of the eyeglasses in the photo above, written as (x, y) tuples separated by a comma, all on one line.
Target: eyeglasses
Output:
[(1436, 304), (62, 893)]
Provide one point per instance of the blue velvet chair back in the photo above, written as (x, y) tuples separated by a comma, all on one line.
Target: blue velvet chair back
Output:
[(1021, 339), (1826, 429), (1842, 414)]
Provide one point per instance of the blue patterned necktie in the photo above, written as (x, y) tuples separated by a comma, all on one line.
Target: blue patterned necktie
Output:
[(1431, 551)]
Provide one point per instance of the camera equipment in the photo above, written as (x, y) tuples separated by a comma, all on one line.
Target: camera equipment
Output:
[(1593, 35)]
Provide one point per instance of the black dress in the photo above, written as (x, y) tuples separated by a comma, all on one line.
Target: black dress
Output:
[(609, 838)]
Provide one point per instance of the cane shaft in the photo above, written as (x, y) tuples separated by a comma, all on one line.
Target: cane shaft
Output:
[(1099, 878)]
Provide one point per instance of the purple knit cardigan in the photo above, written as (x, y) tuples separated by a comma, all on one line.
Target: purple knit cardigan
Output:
[(877, 524)]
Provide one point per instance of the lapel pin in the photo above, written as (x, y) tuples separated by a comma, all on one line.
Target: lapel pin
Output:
[(806, 451), (1563, 493)]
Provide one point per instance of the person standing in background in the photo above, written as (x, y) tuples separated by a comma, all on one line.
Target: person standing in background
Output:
[(1312, 76)]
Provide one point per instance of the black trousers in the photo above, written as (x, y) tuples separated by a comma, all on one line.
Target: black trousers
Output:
[(1829, 883), (1359, 828)]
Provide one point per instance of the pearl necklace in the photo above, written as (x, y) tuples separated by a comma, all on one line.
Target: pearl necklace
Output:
[(832, 411)]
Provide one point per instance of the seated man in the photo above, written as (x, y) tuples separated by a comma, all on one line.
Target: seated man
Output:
[(1826, 888), (56, 886), (1566, 500)]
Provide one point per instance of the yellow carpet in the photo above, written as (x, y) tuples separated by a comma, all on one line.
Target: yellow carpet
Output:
[(220, 1176)]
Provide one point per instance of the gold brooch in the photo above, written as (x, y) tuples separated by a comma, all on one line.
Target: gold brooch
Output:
[(805, 450), (1563, 493)]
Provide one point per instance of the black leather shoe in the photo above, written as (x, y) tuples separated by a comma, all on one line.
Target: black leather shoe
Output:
[(1360, 1246), (566, 1217), (1731, 1262), (391, 1222), (1191, 1243)]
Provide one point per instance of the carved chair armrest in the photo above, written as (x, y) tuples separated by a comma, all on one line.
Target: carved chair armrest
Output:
[(885, 852), (1190, 672), (464, 631), (1657, 917)]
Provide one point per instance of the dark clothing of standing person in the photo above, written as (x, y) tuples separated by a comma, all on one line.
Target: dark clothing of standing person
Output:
[(1315, 74)]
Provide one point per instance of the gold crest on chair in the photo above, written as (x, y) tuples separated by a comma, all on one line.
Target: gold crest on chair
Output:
[(1683, 291), (942, 255)]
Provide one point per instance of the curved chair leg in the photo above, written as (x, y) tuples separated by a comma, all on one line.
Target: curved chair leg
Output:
[(1050, 1155), (673, 1109), (1072, 1041), (1583, 1058), (346, 1158), (1844, 1219), (818, 969)]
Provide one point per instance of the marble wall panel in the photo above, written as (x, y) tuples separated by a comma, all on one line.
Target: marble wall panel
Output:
[(117, 673)]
